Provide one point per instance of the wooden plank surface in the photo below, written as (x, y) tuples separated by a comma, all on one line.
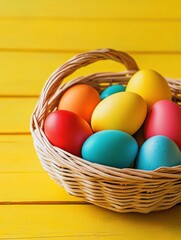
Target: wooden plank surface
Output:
[(36, 37), (22, 176), (18, 154), (91, 9), (28, 76), (60, 35), (15, 114), (32, 187), (86, 222)]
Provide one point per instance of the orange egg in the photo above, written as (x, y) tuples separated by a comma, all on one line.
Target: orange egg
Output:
[(80, 99)]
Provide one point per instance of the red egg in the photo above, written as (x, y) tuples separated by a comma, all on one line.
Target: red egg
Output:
[(164, 118), (67, 130)]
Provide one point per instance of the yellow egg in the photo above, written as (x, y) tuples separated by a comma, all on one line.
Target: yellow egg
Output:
[(150, 85), (125, 111)]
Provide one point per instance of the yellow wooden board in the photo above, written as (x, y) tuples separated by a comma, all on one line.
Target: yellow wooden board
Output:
[(86, 222), (32, 187), (91, 9), (30, 70), (22, 176), (15, 114), (60, 35), (18, 155), (36, 37)]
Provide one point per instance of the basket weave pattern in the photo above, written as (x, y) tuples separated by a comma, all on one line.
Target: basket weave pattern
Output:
[(121, 190)]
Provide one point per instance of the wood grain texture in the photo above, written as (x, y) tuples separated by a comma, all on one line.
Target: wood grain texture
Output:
[(22, 177), (91, 9), (30, 70), (15, 114), (18, 154), (60, 35), (36, 37), (86, 222), (31, 187)]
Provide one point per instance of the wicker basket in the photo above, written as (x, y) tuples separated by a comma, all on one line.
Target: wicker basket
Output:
[(121, 190)]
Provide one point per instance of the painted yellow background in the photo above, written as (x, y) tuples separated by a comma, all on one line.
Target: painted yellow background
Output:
[(37, 36)]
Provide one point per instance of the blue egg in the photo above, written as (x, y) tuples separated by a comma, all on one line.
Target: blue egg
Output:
[(158, 151), (111, 148), (111, 90)]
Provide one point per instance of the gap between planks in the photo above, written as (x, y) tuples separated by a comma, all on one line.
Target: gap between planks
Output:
[(44, 203), (77, 51)]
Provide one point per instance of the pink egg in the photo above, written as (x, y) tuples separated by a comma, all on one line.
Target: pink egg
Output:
[(164, 118)]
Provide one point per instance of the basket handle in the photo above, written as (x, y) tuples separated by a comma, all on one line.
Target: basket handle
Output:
[(50, 92), (85, 59)]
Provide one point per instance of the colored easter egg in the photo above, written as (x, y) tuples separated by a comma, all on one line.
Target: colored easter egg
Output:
[(111, 90), (124, 111), (164, 118), (150, 85), (80, 99), (158, 151), (67, 130), (111, 148)]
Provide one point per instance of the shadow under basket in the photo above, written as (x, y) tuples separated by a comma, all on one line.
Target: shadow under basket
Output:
[(120, 190)]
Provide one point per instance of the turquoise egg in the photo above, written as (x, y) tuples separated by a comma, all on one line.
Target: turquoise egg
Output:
[(111, 90), (158, 151), (111, 148)]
